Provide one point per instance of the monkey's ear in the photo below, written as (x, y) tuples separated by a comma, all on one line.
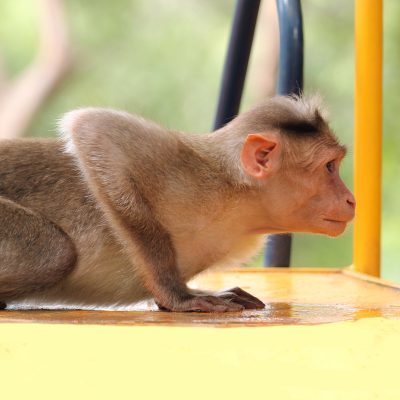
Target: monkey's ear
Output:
[(261, 155)]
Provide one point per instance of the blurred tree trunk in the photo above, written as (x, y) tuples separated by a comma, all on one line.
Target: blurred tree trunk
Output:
[(21, 98), (264, 66)]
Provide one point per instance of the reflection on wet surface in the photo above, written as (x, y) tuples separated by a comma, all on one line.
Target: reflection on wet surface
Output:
[(293, 298)]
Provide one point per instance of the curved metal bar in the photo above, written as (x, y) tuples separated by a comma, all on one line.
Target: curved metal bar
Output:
[(236, 61), (290, 81)]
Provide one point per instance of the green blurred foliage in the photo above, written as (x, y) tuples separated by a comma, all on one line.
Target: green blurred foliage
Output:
[(160, 59), (163, 59)]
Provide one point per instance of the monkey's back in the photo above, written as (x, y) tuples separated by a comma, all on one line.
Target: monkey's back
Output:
[(38, 174)]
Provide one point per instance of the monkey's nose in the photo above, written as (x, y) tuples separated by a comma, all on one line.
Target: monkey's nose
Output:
[(351, 201)]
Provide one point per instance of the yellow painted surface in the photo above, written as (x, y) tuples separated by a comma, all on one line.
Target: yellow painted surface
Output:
[(286, 351), (368, 135), (348, 360)]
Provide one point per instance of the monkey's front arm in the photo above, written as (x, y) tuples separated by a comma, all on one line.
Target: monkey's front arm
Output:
[(105, 144)]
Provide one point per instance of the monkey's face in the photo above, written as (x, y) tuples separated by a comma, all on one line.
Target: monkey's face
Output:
[(318, 201), (301, 190)]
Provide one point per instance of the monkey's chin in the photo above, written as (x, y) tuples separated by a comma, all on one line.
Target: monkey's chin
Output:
[(333, 228)]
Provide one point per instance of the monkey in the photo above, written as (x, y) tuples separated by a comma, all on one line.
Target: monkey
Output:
[(119, 209)]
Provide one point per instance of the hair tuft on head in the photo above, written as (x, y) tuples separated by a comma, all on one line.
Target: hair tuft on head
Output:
[(293, 115)]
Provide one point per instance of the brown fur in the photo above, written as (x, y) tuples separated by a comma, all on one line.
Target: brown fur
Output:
[(121, 210)]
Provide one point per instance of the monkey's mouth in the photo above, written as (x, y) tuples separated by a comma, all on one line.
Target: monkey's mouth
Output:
[(336, 221)]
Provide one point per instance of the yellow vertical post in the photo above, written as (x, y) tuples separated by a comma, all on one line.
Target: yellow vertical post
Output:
[(368, 135)]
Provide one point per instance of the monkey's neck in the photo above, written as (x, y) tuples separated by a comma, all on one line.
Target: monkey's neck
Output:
[(221, 151), (223, 184)]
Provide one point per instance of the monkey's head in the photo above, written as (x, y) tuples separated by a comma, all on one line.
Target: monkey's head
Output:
[(291, 158)]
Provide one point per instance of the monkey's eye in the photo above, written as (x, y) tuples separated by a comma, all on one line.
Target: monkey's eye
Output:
[(330, 166)]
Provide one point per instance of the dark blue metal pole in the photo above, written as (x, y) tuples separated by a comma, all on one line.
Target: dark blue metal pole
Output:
[(290, 81), (236, 61)]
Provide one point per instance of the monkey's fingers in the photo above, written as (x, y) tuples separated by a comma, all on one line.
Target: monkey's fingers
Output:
[(161, 307), (243, 293), (213, 304), (204, 304), (244, 298)]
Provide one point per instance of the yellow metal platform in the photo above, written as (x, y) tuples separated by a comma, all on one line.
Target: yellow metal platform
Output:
[(292, 296), (287, 351)]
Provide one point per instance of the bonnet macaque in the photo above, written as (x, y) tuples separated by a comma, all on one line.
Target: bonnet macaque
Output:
[(120, 209)]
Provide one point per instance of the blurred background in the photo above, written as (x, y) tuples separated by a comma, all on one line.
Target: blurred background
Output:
[(163, 59)]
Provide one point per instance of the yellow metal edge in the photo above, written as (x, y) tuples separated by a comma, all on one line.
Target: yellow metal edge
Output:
[(283, 270), (369, 278), (347, 271)]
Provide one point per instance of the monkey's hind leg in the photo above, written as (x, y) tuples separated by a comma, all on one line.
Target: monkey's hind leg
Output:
[(35, 253)]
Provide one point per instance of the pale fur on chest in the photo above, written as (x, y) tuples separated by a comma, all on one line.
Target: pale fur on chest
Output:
[(204, 239), (214, 249)]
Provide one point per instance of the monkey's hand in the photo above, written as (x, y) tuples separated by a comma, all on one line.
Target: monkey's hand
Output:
[(234, 299)]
